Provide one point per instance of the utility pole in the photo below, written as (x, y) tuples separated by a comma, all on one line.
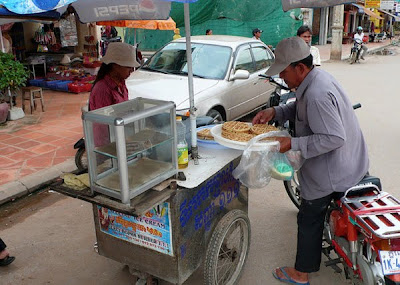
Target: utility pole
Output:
[(323, 25), (337, 32)]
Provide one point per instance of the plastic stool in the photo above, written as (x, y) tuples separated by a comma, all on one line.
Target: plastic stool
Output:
[(35, 93)]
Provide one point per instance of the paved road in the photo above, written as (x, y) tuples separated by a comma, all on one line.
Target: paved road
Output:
[(52, 236)]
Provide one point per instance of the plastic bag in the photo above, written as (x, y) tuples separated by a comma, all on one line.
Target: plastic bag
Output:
[(261, 161), (281, 168)]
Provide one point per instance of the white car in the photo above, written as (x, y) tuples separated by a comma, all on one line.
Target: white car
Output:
[(225, 69)]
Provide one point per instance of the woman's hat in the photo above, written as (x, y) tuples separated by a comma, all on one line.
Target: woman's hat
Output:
[(122, 54)]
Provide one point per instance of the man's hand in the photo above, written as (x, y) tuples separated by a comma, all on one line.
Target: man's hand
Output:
[(264, 116), (286, 143)]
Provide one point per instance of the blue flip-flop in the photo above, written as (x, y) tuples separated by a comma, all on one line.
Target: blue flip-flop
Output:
[(287, 279)]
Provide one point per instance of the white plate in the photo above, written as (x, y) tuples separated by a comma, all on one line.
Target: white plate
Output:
[(217, 134), (208, 143)]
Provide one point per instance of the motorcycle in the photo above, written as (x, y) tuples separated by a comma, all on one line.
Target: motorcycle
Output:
[(363, 229), (355, 51)]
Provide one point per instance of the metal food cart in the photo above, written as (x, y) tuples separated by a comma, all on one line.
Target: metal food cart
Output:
[(172, 229)]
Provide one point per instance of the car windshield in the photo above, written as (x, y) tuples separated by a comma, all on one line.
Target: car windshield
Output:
[(209, 61)]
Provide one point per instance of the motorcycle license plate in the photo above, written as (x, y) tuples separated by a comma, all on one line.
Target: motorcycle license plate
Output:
[(390, 261)]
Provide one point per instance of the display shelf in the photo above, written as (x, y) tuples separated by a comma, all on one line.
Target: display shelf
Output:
[(136, 144), (139, 141), (139, 173)]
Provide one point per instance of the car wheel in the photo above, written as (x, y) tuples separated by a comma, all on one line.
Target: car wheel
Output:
[(216, 115)]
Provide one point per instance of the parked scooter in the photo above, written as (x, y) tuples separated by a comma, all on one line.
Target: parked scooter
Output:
[(363, 229), (355, 51)]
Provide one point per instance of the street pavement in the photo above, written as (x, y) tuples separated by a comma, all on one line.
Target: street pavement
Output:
[(39, 147), (52, 236)]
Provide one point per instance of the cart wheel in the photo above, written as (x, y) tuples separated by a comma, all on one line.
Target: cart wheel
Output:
[(228, 249)]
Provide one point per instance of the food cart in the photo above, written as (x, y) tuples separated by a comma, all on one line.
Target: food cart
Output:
[(170, 233), (159, 220)]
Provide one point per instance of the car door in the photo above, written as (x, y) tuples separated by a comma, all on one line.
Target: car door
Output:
[(246, 95), (240, 90), (263, 58)]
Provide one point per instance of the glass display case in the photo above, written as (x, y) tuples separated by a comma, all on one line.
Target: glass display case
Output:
[(131, 147)]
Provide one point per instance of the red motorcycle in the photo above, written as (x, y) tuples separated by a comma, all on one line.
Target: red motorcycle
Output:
[(363, 229)]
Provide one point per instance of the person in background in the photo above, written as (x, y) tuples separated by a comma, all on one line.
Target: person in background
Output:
[(330, 140), (389, 33), (305, 33), (176, 34), (209, 32), (257, 34), (360, 36), (109, 87), (372, 33), (109, 32), (5, 258)]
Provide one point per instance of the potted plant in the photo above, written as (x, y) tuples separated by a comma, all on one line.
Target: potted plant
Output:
[(13, 75)]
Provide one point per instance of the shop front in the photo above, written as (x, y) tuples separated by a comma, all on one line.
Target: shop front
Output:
[(61, 55)]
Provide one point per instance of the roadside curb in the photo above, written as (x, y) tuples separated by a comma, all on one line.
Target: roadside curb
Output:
[(31, 183)]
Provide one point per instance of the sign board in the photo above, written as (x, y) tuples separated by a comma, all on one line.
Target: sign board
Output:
[(292, 4), (152, 230), (372, 3), (387, 5), (397, 7)]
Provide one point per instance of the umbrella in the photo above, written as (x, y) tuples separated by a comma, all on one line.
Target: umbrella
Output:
[(96, 10), (142, 24)]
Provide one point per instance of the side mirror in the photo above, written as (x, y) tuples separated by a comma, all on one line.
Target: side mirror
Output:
[(240, 74)]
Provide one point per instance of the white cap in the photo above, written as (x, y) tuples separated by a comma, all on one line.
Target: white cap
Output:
[(122, 54), (288, 51)]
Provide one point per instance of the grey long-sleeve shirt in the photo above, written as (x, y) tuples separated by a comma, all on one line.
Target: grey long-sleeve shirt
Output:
[(328, 135)]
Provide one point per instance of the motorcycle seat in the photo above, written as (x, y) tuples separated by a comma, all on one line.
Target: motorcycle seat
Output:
[(367, 180)]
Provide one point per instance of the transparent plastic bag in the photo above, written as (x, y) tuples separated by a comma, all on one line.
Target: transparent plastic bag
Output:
[(261, 161), (281, 168)]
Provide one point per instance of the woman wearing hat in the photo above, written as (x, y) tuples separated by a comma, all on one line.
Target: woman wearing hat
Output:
[(109, 87)]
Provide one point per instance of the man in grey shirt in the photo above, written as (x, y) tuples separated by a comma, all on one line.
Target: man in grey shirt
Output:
[(329, 137)]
